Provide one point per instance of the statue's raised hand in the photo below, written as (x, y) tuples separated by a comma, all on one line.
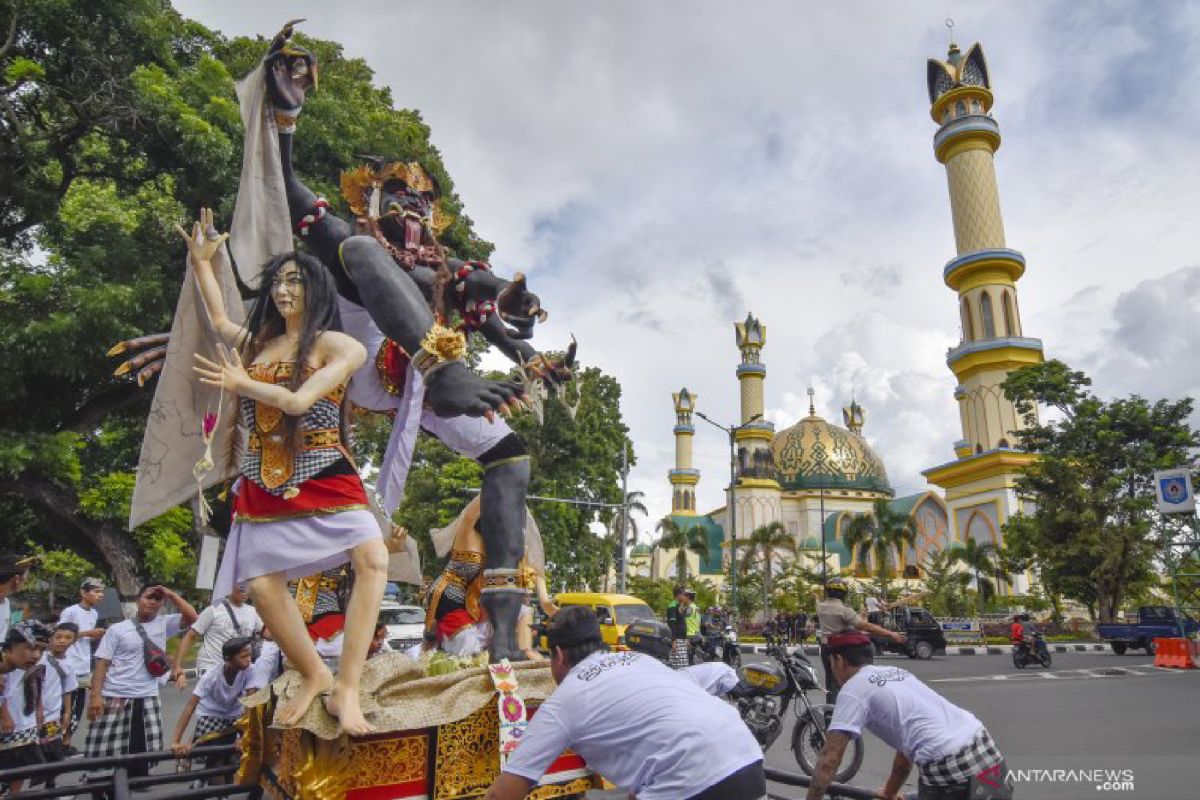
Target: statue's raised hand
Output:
[(453, 390), (291, 69)]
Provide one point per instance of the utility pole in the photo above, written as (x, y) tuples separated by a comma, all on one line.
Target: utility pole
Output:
[(623, 527)]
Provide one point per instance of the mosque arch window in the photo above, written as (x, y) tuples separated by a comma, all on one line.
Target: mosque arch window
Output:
[(985, 315), (1009, 318), (960, 108), (976, 108), (968, 326), (1003, 443)]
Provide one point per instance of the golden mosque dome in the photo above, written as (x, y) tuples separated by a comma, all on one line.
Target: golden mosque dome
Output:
[(813, 454)]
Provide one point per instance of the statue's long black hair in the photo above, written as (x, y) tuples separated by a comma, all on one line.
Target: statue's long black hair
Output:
[(266, 323)]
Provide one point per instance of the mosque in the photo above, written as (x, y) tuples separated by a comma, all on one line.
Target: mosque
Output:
[(814, 477)]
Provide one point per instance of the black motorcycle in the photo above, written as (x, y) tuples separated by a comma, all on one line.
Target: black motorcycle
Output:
[(716, 647), (764, 695), (1023, 655)]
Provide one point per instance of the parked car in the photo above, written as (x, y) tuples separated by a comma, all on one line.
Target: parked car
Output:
[(613, 611), (405, 624), (923, 634), (1152, 622)]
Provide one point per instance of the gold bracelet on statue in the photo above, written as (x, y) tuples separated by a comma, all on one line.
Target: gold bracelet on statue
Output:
[(285, 121), (439, 346)]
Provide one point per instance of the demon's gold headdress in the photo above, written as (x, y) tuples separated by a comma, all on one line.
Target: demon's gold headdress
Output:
[(361, 188)]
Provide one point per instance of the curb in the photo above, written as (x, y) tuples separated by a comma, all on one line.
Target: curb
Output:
[(958, 650)]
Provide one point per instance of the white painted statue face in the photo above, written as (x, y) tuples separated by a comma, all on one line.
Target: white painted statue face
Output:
[(287, 290)]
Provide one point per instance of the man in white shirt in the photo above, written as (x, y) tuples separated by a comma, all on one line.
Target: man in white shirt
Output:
[(953, 752), (85, 615), (215, 626), (131, 664), (634, 721)]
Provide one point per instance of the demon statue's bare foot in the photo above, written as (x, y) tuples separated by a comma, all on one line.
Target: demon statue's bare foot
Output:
[(343, 703), (291, 711), (453, 390)]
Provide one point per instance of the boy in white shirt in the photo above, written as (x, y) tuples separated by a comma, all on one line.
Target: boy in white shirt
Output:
[(217, 700), (19, 653), (85, 615), (58, 687), (217, 624)]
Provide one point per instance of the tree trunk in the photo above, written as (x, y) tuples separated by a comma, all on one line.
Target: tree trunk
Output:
[(58, 505)]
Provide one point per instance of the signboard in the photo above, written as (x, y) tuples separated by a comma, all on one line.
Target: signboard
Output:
[(206, 570), (1173, 489)]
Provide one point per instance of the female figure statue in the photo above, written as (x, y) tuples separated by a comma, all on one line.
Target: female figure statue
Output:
[(300, 506)]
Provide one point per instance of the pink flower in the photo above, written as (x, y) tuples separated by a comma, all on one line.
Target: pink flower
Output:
[(512, 708), (210, 424)]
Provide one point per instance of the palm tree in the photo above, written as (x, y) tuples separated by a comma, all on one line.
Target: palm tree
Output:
[(683, 540), (980, 558), (764, 542), (633, 501), (881, 531), (943, 585)]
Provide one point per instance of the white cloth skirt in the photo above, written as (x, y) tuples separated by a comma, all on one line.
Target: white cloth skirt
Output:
[(297, 547)]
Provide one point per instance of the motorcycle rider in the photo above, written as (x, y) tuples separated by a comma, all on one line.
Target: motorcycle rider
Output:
[(1029, 635), (1016, 633), (834, 617), (952, 750)]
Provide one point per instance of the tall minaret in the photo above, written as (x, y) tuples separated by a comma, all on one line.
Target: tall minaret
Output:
[(754, 433), (684, 477), (984, 274)]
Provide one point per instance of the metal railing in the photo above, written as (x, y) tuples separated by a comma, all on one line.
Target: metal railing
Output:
[(836, 790), (118, 785)]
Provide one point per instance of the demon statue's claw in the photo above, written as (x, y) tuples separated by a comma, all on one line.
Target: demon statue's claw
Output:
[(520, 308), (453, 390), (285, 34), (148, 355)]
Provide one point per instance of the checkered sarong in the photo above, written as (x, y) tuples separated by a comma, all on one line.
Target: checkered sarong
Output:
[(679, 653), (958, 768), (209, 728), (110, 735), (11, 741)]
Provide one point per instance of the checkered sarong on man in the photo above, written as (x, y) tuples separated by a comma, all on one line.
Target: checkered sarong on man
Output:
[(11, 741), (110, 735), (209, 728), (959, 768), (679, 653)]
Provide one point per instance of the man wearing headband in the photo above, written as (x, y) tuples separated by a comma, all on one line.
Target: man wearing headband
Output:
[(14, 569), (634, 721), (79, 656), (953, 752)]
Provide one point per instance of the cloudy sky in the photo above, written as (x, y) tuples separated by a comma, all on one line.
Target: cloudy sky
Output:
[(659, 169)]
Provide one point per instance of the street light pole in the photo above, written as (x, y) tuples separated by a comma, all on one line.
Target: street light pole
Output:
[(821, 533), (623, 528), (733, 542)]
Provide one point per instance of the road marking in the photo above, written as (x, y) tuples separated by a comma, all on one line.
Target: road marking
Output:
[(1066, 674)]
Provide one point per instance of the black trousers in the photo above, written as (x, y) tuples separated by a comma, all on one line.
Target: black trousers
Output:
[(831, 682), (748, 783)]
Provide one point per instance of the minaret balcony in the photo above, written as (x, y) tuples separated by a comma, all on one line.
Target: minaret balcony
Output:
[(979, 128), (751, 369), (1002, 352), (684, 475), (982, 267), (688, 430)]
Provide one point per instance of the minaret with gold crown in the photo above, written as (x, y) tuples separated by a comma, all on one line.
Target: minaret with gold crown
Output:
[(757, 494), (684, 477), (984, 273)]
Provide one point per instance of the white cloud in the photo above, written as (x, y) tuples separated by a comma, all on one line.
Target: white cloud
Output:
[(661, 169)]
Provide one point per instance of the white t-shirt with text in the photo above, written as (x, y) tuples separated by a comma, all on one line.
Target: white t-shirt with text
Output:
[(122, 646), (634, 721), (906, 714), (713, 677), (79, 655), (216, 627), (218, 697)]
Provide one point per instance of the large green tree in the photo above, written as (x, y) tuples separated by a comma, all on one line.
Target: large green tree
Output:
[(1089, 527), (117, 120), (763, 545)]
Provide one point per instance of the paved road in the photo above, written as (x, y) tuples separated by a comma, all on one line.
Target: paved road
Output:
[(1090, 711)]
